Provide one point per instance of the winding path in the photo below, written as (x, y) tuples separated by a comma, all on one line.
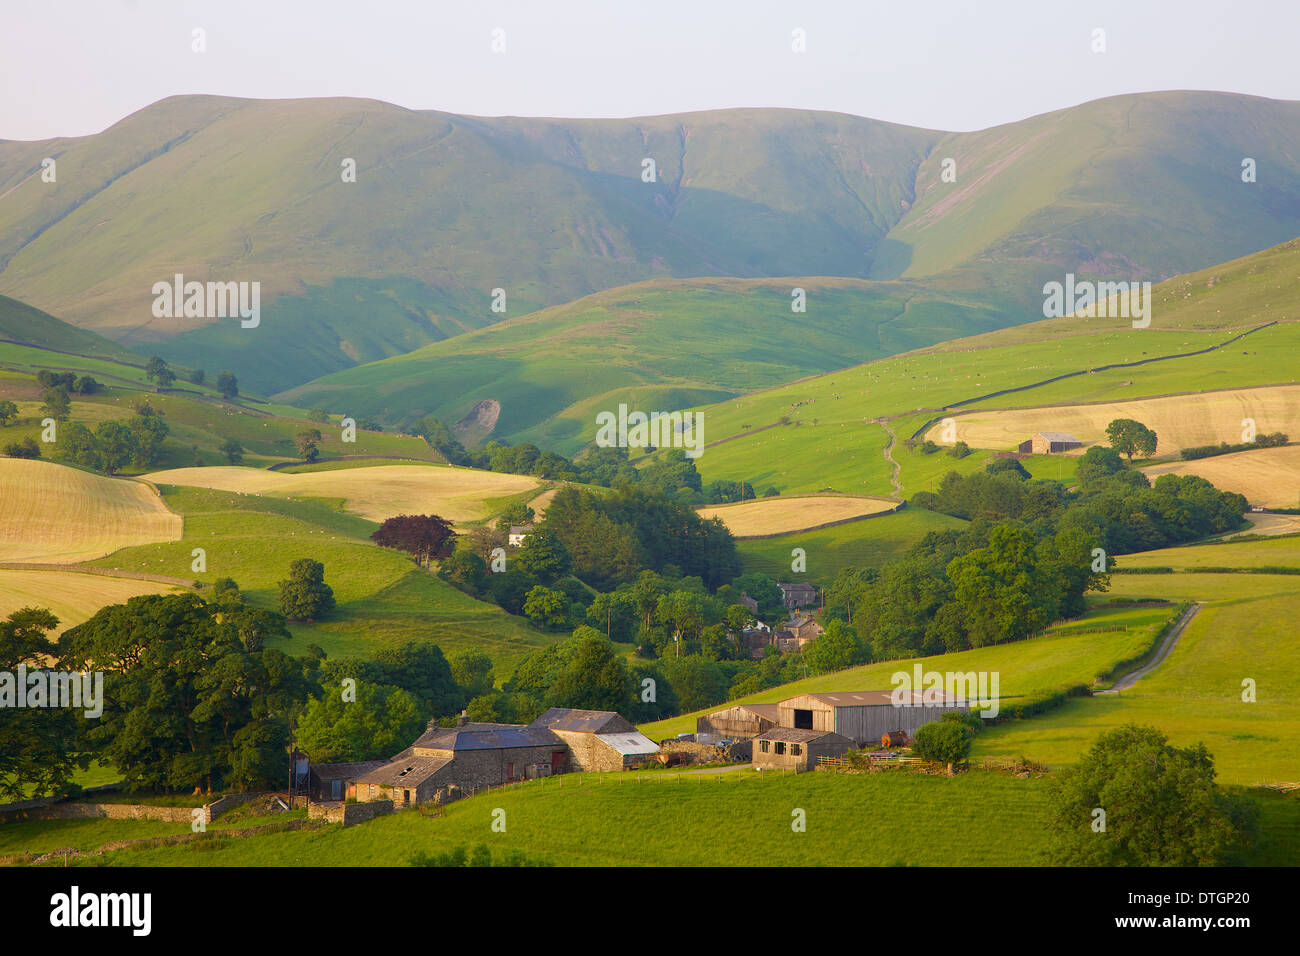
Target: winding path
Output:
[(1175, 632)]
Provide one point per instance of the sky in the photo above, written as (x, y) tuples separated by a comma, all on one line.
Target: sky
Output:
[(74, 67)]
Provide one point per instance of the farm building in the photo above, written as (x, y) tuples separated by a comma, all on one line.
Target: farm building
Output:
[(1049, 443), (518, 532), (471, 756), (750, 604), (597, 739), (788, 748), (798, 631), (797, 595), (861, 716), (337, 781), (738, 722)]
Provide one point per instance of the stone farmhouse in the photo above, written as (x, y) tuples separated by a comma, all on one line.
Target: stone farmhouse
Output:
[(797, 595), (446, 761)]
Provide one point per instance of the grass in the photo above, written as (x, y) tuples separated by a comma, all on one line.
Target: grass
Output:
[(1196, 693), (1069, 654), (785, 515), (383, 598), (1185, 421), (376, 493), (57, 514), (73, 597), (1269, 477), (827, 551)]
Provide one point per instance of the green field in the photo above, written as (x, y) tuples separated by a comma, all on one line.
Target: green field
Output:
[(383, 598), (1077, 652), (862, 544)]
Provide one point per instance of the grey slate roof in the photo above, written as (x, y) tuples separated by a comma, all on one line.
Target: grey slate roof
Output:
[(577, 721), (796, 736), (345, 771), (486, 737), (408, 772)]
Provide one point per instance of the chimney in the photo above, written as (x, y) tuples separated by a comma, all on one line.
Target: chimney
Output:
[(463, 719)]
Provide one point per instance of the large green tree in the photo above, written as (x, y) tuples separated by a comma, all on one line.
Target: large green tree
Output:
[(304, 595)]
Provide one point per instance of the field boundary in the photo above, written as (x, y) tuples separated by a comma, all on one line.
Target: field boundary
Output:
[(819, 527), (104, 572)]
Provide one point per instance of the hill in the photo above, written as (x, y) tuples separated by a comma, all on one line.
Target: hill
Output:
[(57, 514), (21, 324), (1228, 327), (447, 208)]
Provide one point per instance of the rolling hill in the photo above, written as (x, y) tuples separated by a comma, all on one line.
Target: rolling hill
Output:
[(447, 208)]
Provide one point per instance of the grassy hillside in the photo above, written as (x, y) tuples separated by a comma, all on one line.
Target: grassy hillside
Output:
[(383, 598), (22, 324), (655, 345), (72, 596), (835, 431), (61, 515)]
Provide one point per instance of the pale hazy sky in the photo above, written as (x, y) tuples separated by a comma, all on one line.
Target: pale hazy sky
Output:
[(71, 67)]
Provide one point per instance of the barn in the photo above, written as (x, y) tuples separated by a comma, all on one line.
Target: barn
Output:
[(787, 748), (739, 722), (861, 716), (1050, 443)]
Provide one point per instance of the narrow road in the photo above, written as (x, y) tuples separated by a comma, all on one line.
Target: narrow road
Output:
[(1175, 632), (896, 469)]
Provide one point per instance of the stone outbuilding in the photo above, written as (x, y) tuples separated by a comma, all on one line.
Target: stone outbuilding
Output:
[(596, 739), (786, 748)]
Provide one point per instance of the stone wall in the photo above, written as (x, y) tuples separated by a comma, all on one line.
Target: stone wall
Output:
[(349, 814)]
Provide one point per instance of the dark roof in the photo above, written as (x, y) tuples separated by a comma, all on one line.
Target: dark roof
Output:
[(408, 772), (486, 737), (796, 736), (345, 771), (873, 698), (770, 712), (799, 586), (577, 721)]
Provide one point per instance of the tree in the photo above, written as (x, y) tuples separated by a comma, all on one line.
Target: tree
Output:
[(377, 724), (227, 385), (515, 514), (472, 670), (8, 412), (424, 536), (835, 649), (197, 376), (420, 668), (86, 386), (1007, 466), (56, 404), (304, 595), (158, 371), (547, 607), (466, 570), (943, 741), (593, 677), (1161, 806), (147, 431), (233, 451), (543, 556), (306, 441), (116, 445), (186, 703), (1129, 437), (27, 448), (35, 758)]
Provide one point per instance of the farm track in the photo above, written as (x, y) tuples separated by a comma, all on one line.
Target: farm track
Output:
[(1128, 680), (896, 470)]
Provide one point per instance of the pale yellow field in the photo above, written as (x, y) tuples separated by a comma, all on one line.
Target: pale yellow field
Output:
[(73, 597), (1270, 525), (457, 494), (52, 513), (1268, 476), (784, 515), (1181, 421)]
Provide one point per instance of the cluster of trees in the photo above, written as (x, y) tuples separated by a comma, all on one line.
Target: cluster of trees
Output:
[(1272, 440), (68, 381), (113, 445)]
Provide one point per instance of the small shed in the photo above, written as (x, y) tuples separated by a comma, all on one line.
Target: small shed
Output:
[(788, 748)]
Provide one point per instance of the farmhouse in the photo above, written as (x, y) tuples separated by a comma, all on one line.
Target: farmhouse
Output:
[(518, 532), (597, 739), (471, 756), (1049, 443), (787, 748), (797, 595), (798, 631)]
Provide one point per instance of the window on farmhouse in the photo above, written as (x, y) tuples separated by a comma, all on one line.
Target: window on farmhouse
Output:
[(765, 745), (780, 746), (795, 750)]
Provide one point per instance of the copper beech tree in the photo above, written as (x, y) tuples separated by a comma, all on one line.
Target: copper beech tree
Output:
[(424, 536)]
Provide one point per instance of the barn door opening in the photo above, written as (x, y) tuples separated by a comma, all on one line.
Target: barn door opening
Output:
[(803, 719)]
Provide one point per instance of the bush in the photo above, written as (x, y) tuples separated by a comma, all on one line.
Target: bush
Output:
[(944, 741)]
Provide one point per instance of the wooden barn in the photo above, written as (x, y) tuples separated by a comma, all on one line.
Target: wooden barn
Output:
[(739, 722), (1050, 443), (785, 748), (861, 716)]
